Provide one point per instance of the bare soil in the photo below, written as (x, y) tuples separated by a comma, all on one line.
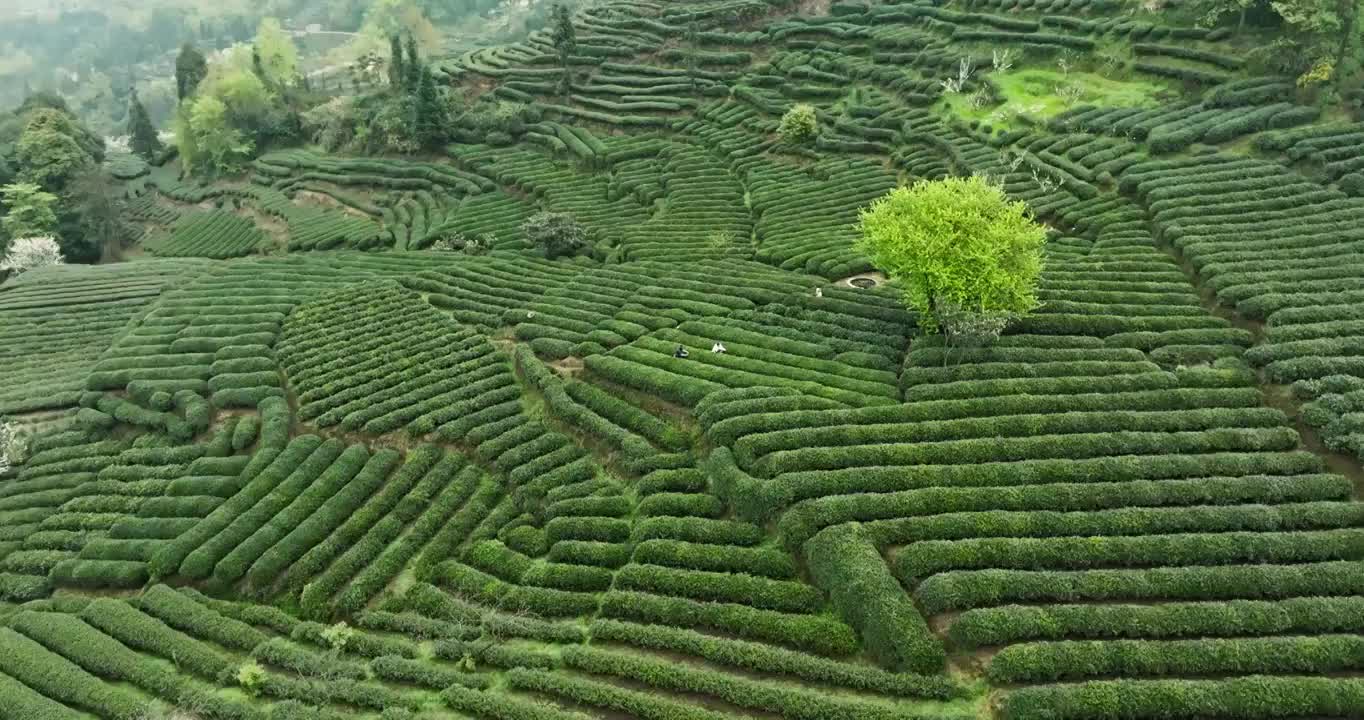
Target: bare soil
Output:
[(308, 197), (568, 367)]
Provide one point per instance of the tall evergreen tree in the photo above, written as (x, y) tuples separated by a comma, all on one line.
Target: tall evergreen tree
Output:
[(413, 66), (144, 140), (693, 50), (190, 69), (565, 40), (431, 114), (396, 76)]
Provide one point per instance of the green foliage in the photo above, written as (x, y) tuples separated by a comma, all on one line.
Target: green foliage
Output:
[(565, 40), (50, 152), (277, 52), (223, 146), (190, 69), (144, 140), (955, 245), (800, 125), (396, 75), (845, 563), (555, 234), (251, 677), (31, 210)]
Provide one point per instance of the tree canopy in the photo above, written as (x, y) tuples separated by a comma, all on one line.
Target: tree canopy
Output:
[(955, 246), (190, 69), (221, 144), (31, 210), (144, 140), (277, 52)]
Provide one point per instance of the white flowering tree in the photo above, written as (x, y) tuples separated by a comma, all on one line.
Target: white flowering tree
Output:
[(31, 253), (10, 450)]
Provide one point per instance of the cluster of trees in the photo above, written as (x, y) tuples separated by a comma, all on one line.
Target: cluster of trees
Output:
[(1319, 41), (51, 183), (248, 98), (412, 111)]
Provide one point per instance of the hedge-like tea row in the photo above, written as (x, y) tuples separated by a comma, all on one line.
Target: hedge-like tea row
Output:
[(602, 695), (56, 677), (113, 662), (1248, 698), (430, 498), (927, 558), (981, 588), (814, 633), (216, 234), (1082, 659), (846, 565), (761, 658), (194, 619), (785, 700), (1017, 623)]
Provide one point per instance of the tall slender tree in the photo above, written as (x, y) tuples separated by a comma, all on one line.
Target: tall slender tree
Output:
[(565, 40), (144, 139), (190, 69), (396, 76), (431, 114), (413, 67), (693, 50)]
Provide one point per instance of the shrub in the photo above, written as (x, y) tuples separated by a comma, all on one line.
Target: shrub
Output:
[(800, 125), (555, 234)]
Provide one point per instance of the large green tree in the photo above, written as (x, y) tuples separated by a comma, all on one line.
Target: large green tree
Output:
[(97, 205), (217, 140), (963, 254), (31, 210), (144, 140), (48, 150)]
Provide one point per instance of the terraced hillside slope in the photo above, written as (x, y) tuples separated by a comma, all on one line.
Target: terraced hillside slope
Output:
[(295, 463)]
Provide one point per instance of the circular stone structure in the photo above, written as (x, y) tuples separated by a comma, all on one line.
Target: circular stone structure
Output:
[(863, 281)]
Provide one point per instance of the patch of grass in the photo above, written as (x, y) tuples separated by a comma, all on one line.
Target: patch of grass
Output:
[(1042, 94)]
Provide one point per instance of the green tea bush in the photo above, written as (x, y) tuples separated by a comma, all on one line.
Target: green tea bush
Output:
[(846, 565), (968, 589), (1245, 698)]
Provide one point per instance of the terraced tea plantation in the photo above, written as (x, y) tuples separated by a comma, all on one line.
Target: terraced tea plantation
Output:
[(298, 462)]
